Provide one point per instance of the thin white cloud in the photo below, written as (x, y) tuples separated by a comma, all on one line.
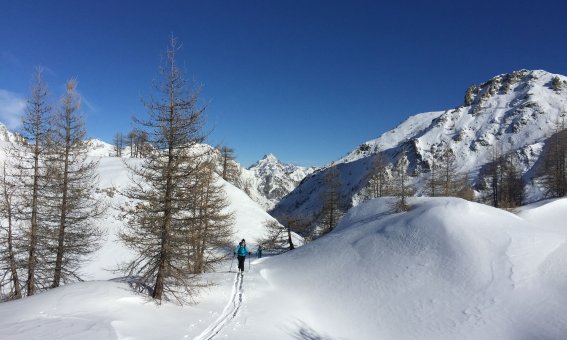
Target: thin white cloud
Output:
[(91, 108), (12, 107), (10, 59)]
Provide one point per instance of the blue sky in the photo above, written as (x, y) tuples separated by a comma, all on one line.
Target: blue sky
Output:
[(305, 80)]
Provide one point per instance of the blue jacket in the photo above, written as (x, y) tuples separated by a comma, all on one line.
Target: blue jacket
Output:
[(241, 251)]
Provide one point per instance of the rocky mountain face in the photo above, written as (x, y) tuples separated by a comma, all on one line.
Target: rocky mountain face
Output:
[(512, 113), (269, 180)]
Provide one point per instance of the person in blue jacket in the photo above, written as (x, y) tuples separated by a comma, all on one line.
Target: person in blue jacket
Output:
[(241, 250)]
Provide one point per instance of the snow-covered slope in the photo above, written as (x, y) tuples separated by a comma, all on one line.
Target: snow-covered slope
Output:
[(113, 177), (7, 135), (513, 112), (249, 222), (100, 148), (447, 269), (270, 180)]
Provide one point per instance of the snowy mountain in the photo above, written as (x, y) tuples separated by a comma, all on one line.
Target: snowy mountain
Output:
[(447, 269), (270, 180), (100, 148), (513, 112), (6, 135)]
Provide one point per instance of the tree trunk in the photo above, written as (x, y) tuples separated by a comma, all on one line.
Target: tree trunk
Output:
[(32, 254), (63, 216), (11, 256)]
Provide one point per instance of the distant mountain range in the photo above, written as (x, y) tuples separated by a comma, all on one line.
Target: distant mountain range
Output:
[(513, 112)]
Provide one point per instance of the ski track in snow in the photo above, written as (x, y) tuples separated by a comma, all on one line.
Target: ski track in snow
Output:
[(230, 311)]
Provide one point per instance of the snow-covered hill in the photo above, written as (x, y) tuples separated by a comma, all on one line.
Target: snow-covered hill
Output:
[(513, 112), (447, 269), (250, 218), (100, 148), (266, 182), (113, 177)]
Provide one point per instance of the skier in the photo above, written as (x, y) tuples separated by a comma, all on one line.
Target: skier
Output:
[(259, 251), (241, 250)]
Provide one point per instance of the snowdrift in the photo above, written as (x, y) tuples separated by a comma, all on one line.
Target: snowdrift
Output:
[(448, 269)]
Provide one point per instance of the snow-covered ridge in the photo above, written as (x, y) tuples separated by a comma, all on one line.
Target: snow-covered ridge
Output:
[(514, 112), (508, 105)]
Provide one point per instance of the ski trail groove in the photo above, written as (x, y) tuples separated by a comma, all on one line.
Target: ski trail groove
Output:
[(229, 312)]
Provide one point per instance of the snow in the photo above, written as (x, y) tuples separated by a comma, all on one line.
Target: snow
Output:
[(447, 269), (250, 218), (100, 148), (518, 119), (270, 180)]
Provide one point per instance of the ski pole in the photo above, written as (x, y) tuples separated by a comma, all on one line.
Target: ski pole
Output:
[(229, 269), (248, 261)]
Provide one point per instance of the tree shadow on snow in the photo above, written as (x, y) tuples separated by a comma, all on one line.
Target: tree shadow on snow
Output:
[(302, 331)]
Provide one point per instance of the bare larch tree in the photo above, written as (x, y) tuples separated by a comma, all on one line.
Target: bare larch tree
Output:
[(402, 187), (32, 172), (378, 180), (159, 225), (8, 238), (118, 144), (554, 171), (212, 225), (229, 169), (72, 187), (331, 209)]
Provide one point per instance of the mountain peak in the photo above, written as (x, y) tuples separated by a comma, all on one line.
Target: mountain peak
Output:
[(270, 157), (507, 83)]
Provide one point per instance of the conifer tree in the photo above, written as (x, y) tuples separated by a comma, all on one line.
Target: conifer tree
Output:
[(229, 170), (72, 187), (448, 173), (164, 185), (118, 144), (504, 176), (378, 184), (512, 186), (433, 181), (29, 155), (331, 210), (402, 187), (9, 237), (554, 170), (212, 226)]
